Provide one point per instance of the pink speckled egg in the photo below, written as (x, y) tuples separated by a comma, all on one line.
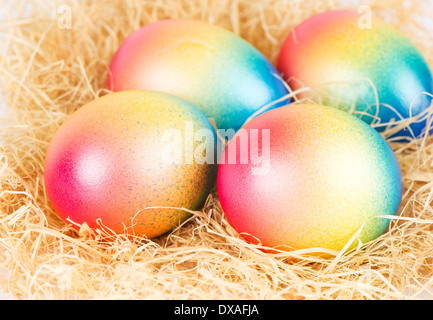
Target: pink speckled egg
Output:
[(110, 161), (306, 176)]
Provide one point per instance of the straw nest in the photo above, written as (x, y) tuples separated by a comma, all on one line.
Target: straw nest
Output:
[(51, 65)]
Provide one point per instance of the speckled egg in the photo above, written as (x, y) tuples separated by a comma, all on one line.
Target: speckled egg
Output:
[(308, 176), (354, 65), (125, 152), (217, 71)]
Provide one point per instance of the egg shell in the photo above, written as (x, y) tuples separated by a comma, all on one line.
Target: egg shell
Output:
[(217, 71), (107, 162), (328, 174), (339, 53)]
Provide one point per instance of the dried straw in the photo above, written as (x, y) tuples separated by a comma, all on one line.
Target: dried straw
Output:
[(48, 71)]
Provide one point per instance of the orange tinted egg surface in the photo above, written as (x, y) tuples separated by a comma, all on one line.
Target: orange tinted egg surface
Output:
[(112, 159)]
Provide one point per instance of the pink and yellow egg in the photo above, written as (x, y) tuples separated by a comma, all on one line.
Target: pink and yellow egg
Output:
[(107, 164), (329, 174)]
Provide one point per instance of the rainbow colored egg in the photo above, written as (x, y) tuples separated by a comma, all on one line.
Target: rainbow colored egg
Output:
[(217, 71), (371, 69), (120, 163), (309, 176)]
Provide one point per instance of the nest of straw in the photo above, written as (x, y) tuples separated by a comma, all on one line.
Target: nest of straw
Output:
[(50, 66)]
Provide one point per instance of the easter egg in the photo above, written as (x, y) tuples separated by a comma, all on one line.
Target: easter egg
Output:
[(217, 71), (126, 162), (372, 70), (308, 176)]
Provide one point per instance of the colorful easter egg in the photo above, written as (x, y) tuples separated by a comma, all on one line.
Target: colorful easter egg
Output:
[(218, 72), (354, 65), (307, 176), (121, 154)]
